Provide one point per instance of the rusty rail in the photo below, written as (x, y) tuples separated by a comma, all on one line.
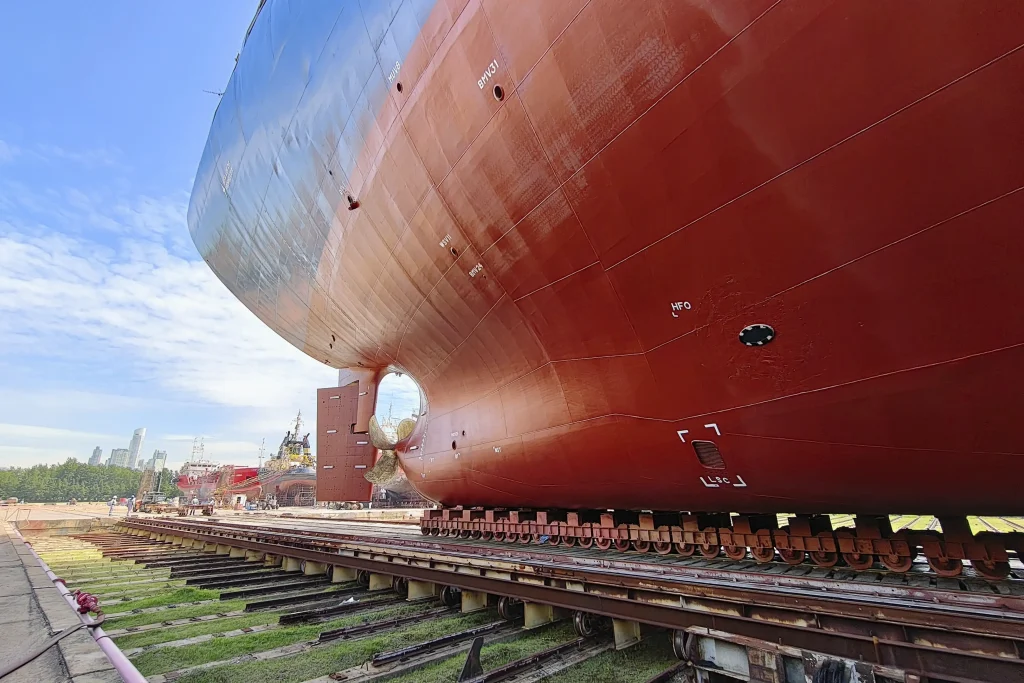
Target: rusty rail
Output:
[(943, 634)]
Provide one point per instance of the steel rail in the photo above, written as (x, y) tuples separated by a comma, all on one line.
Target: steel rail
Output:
[(996, 606), (990, 617), (1000, 596), (940, 641)]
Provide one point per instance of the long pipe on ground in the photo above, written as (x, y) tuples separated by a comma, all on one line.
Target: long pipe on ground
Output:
[(121, 663)]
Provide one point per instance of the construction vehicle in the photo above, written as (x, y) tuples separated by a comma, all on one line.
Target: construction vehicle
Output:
[(149, 498)]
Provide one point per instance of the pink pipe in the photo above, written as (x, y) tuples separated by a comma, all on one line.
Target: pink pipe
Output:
[(124, 667)]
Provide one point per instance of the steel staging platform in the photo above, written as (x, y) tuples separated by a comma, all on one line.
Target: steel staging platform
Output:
[(894, 624)]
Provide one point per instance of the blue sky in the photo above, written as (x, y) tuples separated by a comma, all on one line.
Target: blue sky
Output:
[(108, 319)]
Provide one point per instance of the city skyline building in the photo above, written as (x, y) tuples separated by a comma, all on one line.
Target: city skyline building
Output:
[(136, 447), (158, 461), (118, 458), (97, 456)]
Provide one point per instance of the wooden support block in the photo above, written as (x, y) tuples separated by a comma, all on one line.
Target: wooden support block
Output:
[(272, 560), (237, 552), (379, 582), (420, 590), (210, 548), (341, 574), (627, 633), (222, 549), (314, 568), (253, 555), (292, 564), (473, 601), (535, 614)]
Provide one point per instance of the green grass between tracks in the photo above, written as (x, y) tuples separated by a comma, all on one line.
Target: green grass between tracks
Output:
[(632, 665), (163, 635), (127, 585), (183, 594), (491, 656), (174, 658), (327, 659), (131, 640), (183, 612)]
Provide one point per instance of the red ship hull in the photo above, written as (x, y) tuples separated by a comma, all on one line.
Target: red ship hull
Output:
[(566, 266)]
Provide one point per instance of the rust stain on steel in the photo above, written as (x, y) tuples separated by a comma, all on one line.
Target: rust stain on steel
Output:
[(822, 602), (932, 596), (850, 641)]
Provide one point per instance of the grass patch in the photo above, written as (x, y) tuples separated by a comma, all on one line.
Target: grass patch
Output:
[(163, 635), (632, 665), (183, 612), (126, 584), (114, 576), (327, 659), (491, 656), (184, 594), (174, 658)]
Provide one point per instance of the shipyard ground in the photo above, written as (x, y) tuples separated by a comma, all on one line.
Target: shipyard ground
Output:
[(31, 610), (253, 597)]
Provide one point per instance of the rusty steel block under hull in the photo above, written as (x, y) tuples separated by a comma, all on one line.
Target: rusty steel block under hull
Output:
[(811, 537)]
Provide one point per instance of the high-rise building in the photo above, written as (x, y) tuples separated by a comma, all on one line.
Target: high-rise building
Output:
[(97, 455), (136, 447), (118, 457), (158, 461)]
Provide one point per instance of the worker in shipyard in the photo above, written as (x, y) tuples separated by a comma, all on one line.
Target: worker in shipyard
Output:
[(112, 503)]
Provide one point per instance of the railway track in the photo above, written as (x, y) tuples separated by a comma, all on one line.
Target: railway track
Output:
[(956, 629), (920, 572)]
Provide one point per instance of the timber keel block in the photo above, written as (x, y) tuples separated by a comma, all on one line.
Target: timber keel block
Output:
[(314, 568), (535, 615), (627, 633), (342, 574), (421, 590), (473, 601), (379, 582)]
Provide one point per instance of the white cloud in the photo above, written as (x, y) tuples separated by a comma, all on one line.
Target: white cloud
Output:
[(165, 316), (26, 456), (113, 283), (90, 158), (10, 432), (8, 152), (23, 445)]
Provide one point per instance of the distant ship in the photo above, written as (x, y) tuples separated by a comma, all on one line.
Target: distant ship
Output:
[(288, 478)]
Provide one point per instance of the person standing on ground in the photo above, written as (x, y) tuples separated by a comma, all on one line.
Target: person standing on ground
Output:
[(131, 505), (112, 503)]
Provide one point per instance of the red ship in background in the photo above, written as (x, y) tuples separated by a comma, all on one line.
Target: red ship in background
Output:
[(671, 258), (206, 480), (288, 477)]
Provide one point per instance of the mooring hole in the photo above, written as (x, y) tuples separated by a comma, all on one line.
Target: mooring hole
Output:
[(708, 454)]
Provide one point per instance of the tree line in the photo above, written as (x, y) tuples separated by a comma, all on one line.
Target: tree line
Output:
[(73, 479)]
